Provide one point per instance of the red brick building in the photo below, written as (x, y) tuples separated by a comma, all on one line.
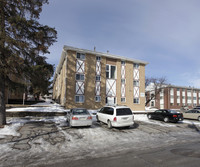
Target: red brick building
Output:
[(176, 97)]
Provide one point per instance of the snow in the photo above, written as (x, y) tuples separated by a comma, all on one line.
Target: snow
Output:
[(78, 143), (47, 106), (10, 130), (143, 118)]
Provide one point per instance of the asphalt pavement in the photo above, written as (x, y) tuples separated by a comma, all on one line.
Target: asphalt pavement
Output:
[(178, 155)]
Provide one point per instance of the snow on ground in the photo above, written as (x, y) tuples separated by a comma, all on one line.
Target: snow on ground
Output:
[(80, 143), (47, 106), (143, 118), (10, 130)]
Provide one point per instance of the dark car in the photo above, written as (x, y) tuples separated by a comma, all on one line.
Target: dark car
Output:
[(166, 115)]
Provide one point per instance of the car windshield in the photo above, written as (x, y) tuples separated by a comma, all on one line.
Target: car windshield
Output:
[(172, 111), (123, 111), (80, 112)]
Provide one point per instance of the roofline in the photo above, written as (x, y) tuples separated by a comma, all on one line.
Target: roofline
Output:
[(175, 86), (185, 87), (104, 54), (66, 48)]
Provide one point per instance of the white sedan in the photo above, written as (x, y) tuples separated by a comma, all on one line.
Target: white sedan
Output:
[(79, 117)]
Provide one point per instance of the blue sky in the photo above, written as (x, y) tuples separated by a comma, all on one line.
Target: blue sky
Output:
[(165, 33)]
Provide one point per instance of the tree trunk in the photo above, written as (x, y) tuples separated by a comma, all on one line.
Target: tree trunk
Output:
[(2, 101)]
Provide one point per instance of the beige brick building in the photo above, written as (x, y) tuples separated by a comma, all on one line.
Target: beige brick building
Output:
[(91, 79)]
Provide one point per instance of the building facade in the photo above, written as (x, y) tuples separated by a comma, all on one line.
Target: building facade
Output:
[(91, 80), (176, 97)]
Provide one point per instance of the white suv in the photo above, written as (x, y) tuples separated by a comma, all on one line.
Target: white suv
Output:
[(116, 116)]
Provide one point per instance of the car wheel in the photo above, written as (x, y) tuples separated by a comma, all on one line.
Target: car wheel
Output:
[(109, 125), (166, 119), (149, 116), (199, 118)]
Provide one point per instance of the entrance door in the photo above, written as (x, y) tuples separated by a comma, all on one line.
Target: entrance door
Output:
[(111, 100), (111, 91)]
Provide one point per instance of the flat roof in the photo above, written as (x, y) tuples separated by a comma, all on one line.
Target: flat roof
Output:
[(104, 54), (66, 48)]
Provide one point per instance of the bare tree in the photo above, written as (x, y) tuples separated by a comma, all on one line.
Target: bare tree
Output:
[(153, 88)]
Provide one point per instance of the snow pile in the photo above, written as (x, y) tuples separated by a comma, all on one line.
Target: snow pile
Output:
[(49, 108), (10, 130)]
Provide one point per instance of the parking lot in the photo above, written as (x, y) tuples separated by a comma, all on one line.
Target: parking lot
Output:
[(47, 140)]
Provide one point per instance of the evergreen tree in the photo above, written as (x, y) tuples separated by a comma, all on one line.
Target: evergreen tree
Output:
[(40, 75), (22, 39)]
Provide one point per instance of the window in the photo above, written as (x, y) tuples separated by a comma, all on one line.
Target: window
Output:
[(79, 99), (123, 111), (136, 83), (136, 100), (98, 78), (98, 58), (80, 56), (123, 81), (109, 111), (97, 98), (110, 71), (136, 65), (123, 99), (123, 63), (80, 77)]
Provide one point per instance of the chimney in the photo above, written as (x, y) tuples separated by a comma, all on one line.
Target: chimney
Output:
[(107, 51), (94, 48)]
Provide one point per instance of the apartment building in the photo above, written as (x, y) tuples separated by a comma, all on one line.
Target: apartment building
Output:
[(176, 97), (91, 79)]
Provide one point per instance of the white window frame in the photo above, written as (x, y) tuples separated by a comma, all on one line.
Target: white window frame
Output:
[(80, 77), (98, 58), (98, 98), (137, 100), (82, 56), (109, 71), (136, 65), (79, 101), (123, 81), (98, 77), (123, 62), (123, 99), (134, 83)]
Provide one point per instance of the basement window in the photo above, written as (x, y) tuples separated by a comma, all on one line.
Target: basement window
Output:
[(98, 98), (79, 99)]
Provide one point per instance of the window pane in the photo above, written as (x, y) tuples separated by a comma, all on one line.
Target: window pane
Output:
[(107, 67), (113, 72), (98, 58), (107, 75), (123, 99), (123, 81), (98, 78), (124, 111)]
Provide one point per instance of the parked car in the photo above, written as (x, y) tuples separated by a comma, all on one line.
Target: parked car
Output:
[(166, 115), (79, 117), (116, 116), (197, 108), (192, 114)]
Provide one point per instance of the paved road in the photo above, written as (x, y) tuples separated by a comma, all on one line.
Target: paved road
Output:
[(176, 155)]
